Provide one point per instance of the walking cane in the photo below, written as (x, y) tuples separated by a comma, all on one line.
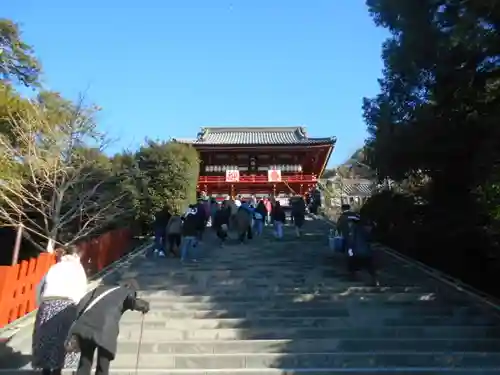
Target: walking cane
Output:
[(139, 346)]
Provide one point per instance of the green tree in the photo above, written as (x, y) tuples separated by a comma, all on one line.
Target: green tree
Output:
[(438, 102), (12, 105), (18, 63), (169, 174), (125, 167), (56, 182), (434, 120)]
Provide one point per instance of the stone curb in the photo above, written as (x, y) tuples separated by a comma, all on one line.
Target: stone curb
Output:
[(13, 331)]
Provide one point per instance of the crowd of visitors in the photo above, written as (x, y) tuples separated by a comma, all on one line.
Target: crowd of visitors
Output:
[(180, 234), (73, 324)]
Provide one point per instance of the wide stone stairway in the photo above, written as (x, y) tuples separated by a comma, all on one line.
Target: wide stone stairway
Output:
[(287, 307)]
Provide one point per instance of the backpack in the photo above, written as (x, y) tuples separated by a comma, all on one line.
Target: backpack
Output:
[(174, 225)]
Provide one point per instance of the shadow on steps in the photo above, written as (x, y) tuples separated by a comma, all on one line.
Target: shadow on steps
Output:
[(286, 306), (9, 358), (273, 307)]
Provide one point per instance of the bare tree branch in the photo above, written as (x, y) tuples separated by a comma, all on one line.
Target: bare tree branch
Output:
[(49, 185)]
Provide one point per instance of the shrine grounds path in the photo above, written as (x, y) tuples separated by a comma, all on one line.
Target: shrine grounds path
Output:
[(286, 307)]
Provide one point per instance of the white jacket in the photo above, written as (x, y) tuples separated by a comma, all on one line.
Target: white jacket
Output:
[(66, 279)]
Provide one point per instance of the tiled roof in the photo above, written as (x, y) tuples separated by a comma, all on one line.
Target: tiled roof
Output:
[(256, 136), (358, 190), (352, 187)]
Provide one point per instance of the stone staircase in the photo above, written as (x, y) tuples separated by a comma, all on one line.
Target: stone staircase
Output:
[(286, 307)]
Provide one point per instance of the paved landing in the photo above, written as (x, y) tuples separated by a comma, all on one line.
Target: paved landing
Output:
[(287, 307)]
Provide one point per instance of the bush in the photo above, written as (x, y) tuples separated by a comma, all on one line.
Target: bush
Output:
[(444, 238)]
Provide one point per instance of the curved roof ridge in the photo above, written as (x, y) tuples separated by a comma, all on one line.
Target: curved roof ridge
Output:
[(253, 129), (244, 135)]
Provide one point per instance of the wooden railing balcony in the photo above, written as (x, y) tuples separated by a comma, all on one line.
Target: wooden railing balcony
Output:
[(295, 178)]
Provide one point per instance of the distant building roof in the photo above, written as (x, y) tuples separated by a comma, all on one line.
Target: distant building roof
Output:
[(353, 187), (256, 136), (361, 189)]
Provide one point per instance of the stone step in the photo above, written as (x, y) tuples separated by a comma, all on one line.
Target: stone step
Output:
[(312, 310), (292, 371), (269, 290), (132, 333), (324, 310), (268, 308), (303, 268), (309, 360), (278, 323), (253, 301), (312, 345), (221, 271), (329, 345), (326, 345)]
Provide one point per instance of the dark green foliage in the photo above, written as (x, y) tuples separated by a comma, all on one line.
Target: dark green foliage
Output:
[(435, 123), (168, 177)]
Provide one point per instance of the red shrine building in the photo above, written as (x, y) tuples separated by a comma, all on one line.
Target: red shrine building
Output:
[(260, 161)]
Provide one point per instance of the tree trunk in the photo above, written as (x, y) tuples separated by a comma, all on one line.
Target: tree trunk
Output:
[(17, 245), (50, 246)]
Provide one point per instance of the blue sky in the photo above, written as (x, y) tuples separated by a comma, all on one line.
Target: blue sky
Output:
[(165, 68)]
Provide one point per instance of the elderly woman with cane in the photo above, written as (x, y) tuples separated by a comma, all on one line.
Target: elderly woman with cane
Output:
[(97, 324)]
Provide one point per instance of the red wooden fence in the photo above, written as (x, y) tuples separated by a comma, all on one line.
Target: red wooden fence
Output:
[(18, 283)]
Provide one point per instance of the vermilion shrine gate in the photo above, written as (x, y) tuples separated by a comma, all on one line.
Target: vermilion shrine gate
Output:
[(260, 160)]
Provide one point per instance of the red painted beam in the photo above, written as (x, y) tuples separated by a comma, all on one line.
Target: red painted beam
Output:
[(302, 178)]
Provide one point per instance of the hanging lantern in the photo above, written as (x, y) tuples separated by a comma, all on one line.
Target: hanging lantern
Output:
[(252, 164)]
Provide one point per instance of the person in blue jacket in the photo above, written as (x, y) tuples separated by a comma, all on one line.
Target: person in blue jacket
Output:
[(259, 215), (358, 247)]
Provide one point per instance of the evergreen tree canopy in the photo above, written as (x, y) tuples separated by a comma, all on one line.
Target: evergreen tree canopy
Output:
[(434, 125), (169, 172)]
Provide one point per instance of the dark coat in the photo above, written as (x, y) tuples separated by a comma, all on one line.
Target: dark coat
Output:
[(278, 214), (101, 323), (261, 209), (358, 240), (221, 217), (161, 220), (201, 214), (298, 207), (190, 226), (243, 219), (343, 223)]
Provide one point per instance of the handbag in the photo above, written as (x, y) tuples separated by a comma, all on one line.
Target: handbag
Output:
[(72, 343)]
